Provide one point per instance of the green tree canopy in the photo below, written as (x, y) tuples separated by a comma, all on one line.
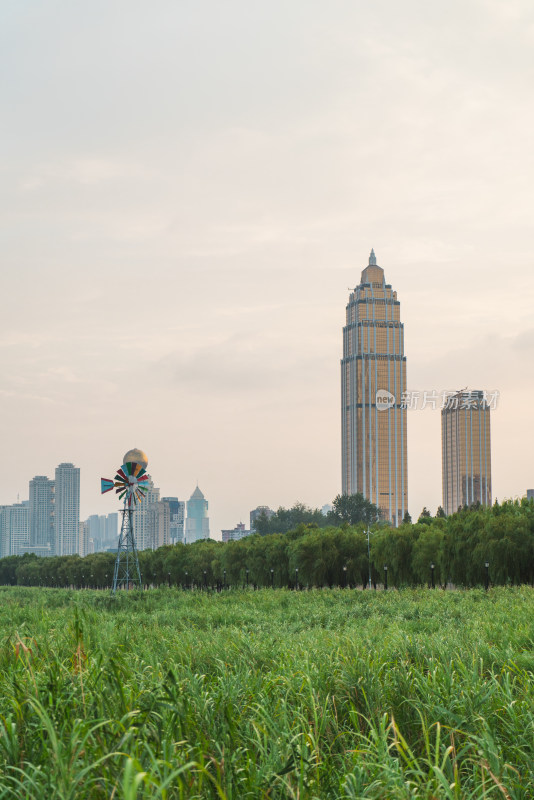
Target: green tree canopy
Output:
[(353, 508)]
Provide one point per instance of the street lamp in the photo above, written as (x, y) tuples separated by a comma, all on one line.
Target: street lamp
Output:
[(385, 577), (247, 577), (344, 576), (272, 578), (432, 567), (369, 553), (224, 579), (297, 578), (106, 580), (205, 580), (169, 579), (486, 564), (186, 579)]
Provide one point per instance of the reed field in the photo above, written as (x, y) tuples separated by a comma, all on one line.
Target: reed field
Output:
[(267, 694)]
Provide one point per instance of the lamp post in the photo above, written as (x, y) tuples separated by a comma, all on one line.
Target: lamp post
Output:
[(344, 576), (247, 577), (385, 577), (169, 579), (432, 567), (205, 580), (224, 579), (186, 579), (486, 564), (106, 580), (369, 553), (272, 578), (297, 578)]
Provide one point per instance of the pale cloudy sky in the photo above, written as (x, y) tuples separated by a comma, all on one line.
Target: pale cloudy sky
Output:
[(188, 191)]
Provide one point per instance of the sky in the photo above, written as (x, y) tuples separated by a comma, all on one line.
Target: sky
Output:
[(188, 192)]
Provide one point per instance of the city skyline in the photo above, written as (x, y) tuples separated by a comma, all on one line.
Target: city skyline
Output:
[(188, 262)]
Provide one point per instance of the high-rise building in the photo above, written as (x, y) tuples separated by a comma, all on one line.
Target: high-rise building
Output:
[(177, 512), (197, 525), (465, 450), (142, 518), (42, 510), (530, 494), (373, 380), (15, 529), (67, 515), (112, 529), (85, 543), (158, 525), (259, 512), (96, 528)]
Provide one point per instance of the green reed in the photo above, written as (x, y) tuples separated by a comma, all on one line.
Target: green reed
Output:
[(268, 694)]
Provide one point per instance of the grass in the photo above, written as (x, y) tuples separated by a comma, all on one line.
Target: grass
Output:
[(268, 694)]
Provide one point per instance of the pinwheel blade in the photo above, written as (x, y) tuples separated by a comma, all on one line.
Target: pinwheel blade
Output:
[(106, 485)]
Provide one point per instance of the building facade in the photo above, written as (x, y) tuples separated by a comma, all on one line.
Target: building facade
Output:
[(102, 532), (86, 545), (67, 510), (373, 381), (158, 525), (15, 529), (466, 451), (197, 525), (239, 532), (42, 514), (143, 519), (177, 512)]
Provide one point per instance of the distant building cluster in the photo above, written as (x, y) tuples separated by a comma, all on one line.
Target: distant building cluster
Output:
[(48, 523), (241, 531), (160, 521)]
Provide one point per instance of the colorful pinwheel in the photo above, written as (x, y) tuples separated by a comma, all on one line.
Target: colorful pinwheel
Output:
[(129, 483)]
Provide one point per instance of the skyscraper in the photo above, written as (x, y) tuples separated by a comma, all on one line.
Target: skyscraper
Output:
[(112, 529), (373, 380), (466, 451), (158, 525), (144, 519), (42, 508), (197, 525), (67, 515), (85, 543), (177, 512), (14, 529)]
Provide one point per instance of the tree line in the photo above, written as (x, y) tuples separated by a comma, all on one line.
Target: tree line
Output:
[(440, 549)]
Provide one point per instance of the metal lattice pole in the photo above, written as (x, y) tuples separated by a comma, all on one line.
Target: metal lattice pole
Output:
[(126, 574)]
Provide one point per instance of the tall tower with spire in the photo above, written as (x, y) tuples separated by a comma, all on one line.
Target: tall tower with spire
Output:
[(197, 524), (373, 379)]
